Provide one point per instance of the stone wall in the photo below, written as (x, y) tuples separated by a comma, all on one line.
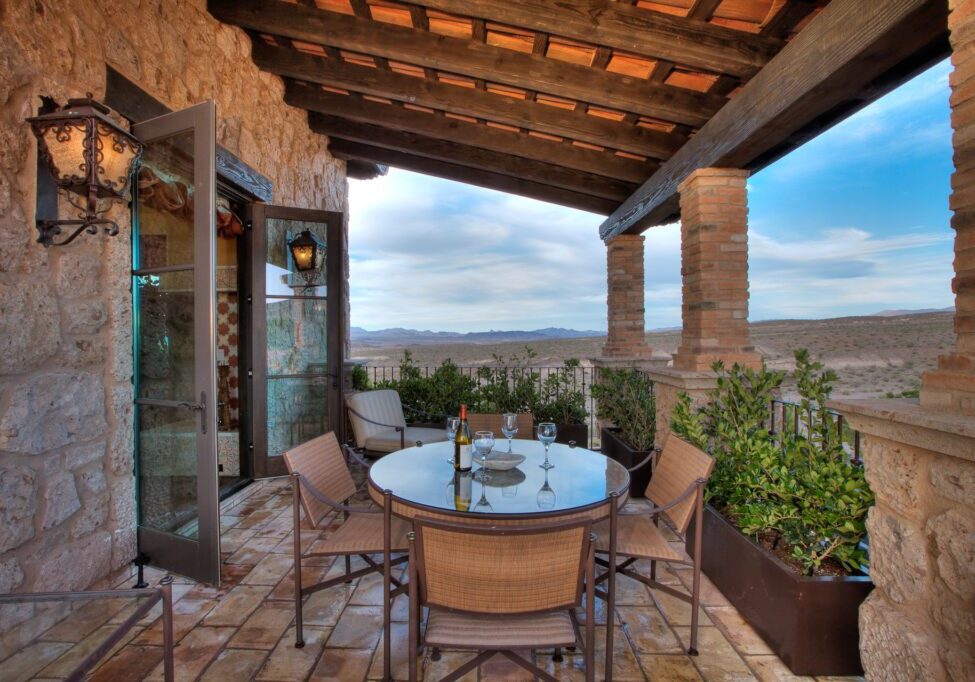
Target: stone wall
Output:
[(626, 336), (67, 491)]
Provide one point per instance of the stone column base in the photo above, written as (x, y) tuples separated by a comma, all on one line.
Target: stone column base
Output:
[(701, 362), (919, 622), (668, 383), (952, 386)]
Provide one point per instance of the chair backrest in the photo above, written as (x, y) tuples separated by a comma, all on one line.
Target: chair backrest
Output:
[(378, 406), (486, 421), (491, 570), (679, 465), (321, 462)]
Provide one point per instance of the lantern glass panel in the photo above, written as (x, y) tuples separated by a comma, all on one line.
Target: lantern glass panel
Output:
[(304, 256), (65, 143), (117, 154)]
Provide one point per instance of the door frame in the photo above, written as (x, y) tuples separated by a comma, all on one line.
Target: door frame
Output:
[(196, 558), (257, 215)]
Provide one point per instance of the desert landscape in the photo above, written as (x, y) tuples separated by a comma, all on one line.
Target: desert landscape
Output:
[(875, 355)]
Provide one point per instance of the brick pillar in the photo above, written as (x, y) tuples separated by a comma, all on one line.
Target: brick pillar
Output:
[(714, 265), (952, 386), (626, 337)]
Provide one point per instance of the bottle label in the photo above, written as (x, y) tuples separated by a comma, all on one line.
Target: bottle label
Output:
[(465, 457)]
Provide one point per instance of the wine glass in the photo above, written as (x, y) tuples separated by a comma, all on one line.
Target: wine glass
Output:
[(509, 426), (546, 434), (483, 443), (453, 423), (546, 496), (483, 506)]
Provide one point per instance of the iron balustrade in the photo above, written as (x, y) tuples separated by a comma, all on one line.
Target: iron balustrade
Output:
[(786, 417), (582, 379)]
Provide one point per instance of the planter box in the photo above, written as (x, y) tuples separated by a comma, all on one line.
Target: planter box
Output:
[(811, 623), (614, 448), (566, 432)]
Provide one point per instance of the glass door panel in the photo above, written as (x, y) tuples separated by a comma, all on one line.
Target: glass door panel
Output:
[(298, 332), (175, 372)]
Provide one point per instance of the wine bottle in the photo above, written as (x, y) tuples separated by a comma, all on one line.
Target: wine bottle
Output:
[(462, 443), (462, 490)]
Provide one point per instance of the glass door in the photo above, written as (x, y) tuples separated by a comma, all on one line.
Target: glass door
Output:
[(174, 291), (297, 334)]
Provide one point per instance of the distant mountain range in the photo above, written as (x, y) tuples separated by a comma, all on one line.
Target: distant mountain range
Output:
[(898, 313), (399, 336)]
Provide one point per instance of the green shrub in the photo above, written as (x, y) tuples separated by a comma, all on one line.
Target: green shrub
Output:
[(797, 492), (360, 378), (560, 399), (431, 397), (511, 386), (625, 398)]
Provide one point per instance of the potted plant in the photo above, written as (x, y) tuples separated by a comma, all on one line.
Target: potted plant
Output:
[(561, 401), (791, 509), (625, 399)]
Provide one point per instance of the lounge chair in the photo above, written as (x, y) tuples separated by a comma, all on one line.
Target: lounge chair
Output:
[(379, 425)]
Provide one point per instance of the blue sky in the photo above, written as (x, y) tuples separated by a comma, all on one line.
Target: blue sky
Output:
[(854, 222)]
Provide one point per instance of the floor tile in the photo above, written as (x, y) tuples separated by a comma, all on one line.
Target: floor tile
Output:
[(194, 653), (738, 631), (237, 605), (669, 668), (131, 664), (235, 665), (27, 662), (325, 606), (771, 669), (360, 627), (187, 612), (716, 659), (677, 611), (264, 627), (286, 663), (648, 630), (68, 661), (342, 665), (269, 570)]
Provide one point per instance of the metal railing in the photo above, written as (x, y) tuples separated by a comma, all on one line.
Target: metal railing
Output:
[(582, 379), (786, 417)]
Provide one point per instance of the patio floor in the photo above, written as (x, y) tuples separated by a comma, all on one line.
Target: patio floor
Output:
[(243, 630)]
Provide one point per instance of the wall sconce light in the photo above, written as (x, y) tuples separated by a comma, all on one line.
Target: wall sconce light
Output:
[(308, 255), (86, 154)]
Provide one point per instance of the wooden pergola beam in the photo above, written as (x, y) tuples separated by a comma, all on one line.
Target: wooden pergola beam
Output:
[(472, 157), (511, 111), (850, 54), (393, 117), (344, 149), (470, 58), (690, 42)]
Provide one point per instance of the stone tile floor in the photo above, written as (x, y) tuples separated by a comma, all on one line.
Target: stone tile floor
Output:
[(243, 630)]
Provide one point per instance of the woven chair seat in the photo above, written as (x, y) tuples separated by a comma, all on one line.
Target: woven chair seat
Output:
[(636, 536), (450, 628), (362, 534)]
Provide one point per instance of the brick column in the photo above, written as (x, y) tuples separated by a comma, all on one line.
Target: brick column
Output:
[(714, 265), (626, 337), (952, 386)]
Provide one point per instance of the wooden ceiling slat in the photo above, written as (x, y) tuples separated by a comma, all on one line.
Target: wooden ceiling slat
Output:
[(689, 42), (851, 48), (345, 149), (477, 60), (465, 130), (473, 156), (481, 104), (703, 9)]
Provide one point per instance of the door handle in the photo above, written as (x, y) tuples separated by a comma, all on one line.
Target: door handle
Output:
[(200, 407)]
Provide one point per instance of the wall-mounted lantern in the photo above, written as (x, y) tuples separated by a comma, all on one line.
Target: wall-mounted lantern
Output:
[(307, 253), (85, 153)]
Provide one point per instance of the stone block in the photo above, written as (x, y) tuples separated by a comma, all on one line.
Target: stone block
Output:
[(895, 473), (11, 575), (83, 454), (952, 533), (53, 410), (93, 515), (898, 557), (79, 270), (91, 479), (60, 499), (893, 646), (29, 326), (18, 505), (74, 565), (83, 317), (953, 479)]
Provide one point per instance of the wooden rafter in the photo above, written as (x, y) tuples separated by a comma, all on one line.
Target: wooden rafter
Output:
[(691, 42), (471, 58), (849, 54), (465, 132), (511, 111), (472, 157), (344, 149)]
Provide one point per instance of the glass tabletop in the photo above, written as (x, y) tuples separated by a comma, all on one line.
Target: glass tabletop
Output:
[(425, 476)]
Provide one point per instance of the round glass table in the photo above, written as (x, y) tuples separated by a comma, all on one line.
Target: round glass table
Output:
[(422, 481)]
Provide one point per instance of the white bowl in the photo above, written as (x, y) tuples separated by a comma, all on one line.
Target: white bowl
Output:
[(500, 461)]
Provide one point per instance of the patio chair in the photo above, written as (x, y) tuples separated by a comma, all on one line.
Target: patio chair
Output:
[(321, 483), (498, 589), (486, 421), (676, 491), (379, 425)]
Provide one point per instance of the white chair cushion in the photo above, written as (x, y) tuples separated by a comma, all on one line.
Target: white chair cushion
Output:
[(388, 441), (379, 406)]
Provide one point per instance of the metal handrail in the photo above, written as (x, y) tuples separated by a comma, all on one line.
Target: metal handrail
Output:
[(777, 405), (163, 593)]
